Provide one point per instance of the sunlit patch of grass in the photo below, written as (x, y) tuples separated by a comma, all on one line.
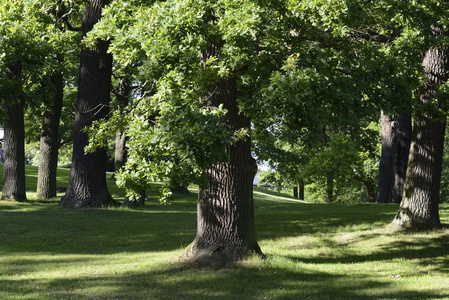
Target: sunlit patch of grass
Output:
[(314, 251)]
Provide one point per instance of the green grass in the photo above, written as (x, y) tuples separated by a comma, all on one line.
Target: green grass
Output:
[(314, 251)]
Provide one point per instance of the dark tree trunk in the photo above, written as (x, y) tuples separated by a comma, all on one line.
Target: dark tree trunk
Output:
[(329, 188), (123, 94), (301, 189), (14, 141), (298, 191), (386, 163), (371, 191), (49, 143), (87, 184), (225, 217), (419, 206), (402, 144)]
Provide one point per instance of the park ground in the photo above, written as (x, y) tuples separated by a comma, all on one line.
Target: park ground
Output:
[(314, 251)]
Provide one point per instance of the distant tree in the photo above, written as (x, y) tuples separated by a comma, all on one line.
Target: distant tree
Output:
[(64, 48), (123, 94), (386, 164), (49, 142), (402, 149), (396, 138), (24, 59)]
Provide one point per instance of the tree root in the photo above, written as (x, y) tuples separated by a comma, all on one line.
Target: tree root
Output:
[(220, 256)]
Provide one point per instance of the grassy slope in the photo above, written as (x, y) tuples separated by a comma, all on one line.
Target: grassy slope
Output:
[(315, 251)]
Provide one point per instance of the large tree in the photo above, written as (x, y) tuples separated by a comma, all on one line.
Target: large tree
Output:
[(87, 184), (24, 52), (419, 206), (49, 141), (198, 58), (14, 136), (62, 55), (225, 217)]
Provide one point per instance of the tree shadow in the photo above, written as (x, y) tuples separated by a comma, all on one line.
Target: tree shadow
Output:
[(181, 281), (95, 231)]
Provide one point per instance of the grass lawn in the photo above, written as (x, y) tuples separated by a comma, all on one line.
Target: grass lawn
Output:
[(314, 251)]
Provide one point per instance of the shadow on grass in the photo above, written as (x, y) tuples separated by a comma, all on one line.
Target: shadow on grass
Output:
[(275, 220), (90, 237), (426, 251), (45, 228), (187, 282)]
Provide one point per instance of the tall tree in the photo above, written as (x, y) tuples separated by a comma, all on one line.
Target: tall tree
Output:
[(14, 137), (63, 52), (123, 94), (192, 53), (225, 217), (402, 149), (49, 141), (386, 163), (87, 184), (419, 206)]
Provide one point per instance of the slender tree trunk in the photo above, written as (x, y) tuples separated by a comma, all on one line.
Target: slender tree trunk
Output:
[(301, 189), (419, 206), (386, 163), (123, 94), (14, 141), (120, 154), (402, 144), (295, 192), (49, 143), (329, 188), (87, 184)]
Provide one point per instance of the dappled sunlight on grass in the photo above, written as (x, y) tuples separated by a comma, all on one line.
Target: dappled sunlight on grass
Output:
[(314, 251)]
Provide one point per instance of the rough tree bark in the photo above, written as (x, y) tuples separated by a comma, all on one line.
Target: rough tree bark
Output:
[(14, 141), (402, 149), (87, 184), (225, 217), (419, 206), (49, 142), (225, 209), (386, 163)]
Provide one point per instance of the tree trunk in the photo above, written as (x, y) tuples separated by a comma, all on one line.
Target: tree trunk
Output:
[(419, 206), (49, 143), (386, 162), (123, 94), (225, 217), (120, 150), (402, 145), (87, 184), (301, 189), (371, 191), (295, 192), (14, 141), (329, 188)]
